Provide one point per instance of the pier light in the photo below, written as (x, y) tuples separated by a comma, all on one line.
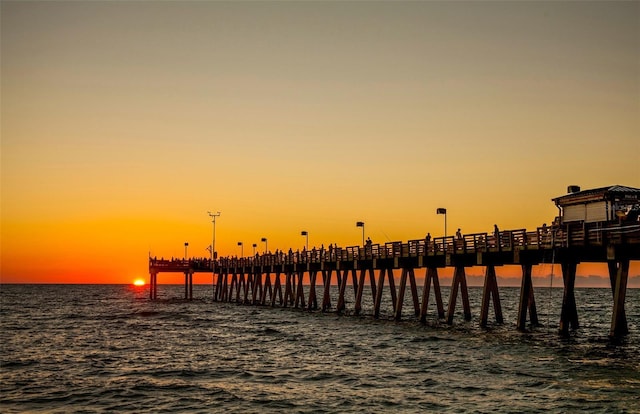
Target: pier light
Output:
[(266, 245), (443, 211), (241, 249), (306, 234), (361, 224), (186, 244), (213, 245), (254, 245)]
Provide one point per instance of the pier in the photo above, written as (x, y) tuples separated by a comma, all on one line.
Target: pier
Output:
[(586, 231), (277, 279)]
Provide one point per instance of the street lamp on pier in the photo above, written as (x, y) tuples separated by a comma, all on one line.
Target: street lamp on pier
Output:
[(361, 224), (186, 244), (254, 248), (266, 245), (306, 234), (443, 211), (214, 255), (241, 249)]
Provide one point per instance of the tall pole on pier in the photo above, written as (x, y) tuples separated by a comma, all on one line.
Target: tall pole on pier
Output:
[(264, 240), (361, 224), (306, 234), (213, 245), (443, 211)]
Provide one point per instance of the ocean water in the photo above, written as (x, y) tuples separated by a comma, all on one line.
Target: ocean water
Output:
[(108, 348)]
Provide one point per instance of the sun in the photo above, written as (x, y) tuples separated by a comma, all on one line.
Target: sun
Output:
[(138, 282)]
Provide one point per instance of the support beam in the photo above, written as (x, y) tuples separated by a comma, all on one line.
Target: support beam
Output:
[(378, 298), (153, 285), (618, 318), (403, 285), (186, 285), (217, 294), (490, 291), (300, 291), (363, 273), (527, 300), (341, 290), (432, 277), (241, 285), (267, 288), (248, 286), (569, 314), (326, 293), (222, 283), (459, 280), (312, 303), (277, 291), (288, 290), (414, 291), (257, 288)]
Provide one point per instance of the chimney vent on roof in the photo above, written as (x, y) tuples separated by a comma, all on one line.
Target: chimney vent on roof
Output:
[(573, 189)]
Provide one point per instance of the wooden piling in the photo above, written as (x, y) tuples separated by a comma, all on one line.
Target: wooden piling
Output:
[(326, 293), (569, 313), (277, 291), (618, 317), (153, 285), (459, 280), (360, 289), (312, 303), (341, 290), (527, 300), (240, 284), (217, 294), (267, 288), (378, 297), (257, 288), (403, 284), (410, 274), (489, 291), (222, 281), (248, 286), (300, 291), (432, 277), (288, 290)]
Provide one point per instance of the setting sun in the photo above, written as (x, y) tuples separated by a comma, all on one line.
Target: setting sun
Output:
[(138, 282)]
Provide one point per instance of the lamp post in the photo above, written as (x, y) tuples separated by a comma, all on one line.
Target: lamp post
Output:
[(186, 244), (241, 249), (306, 234), (443, 211), (213, 246), (361, 224), (266, 245), (254, 248)]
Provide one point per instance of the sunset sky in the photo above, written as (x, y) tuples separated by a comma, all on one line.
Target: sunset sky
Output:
[(123, 123)]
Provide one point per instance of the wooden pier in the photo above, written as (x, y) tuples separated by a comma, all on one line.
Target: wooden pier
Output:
[(258, 280)]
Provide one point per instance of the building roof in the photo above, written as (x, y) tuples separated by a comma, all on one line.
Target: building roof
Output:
[(614, 192)]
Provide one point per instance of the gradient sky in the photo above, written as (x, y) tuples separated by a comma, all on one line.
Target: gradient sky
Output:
[(123, 123)]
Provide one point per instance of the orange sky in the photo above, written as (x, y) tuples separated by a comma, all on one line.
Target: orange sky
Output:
[(123, 123)]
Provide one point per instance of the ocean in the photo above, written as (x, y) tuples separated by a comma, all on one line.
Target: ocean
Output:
[(108, 348)]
